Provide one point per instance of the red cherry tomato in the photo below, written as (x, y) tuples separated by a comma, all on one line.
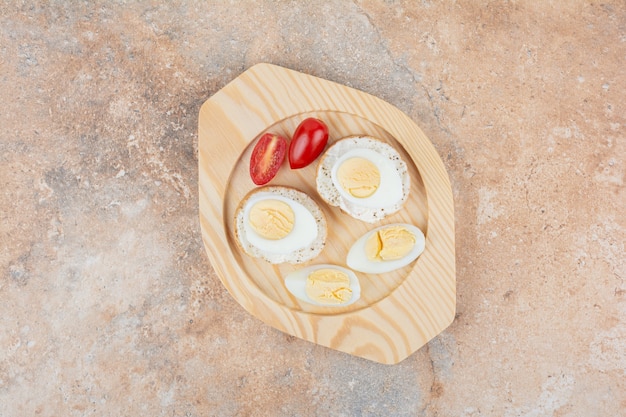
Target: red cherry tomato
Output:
[(267, 157), (307, 143)]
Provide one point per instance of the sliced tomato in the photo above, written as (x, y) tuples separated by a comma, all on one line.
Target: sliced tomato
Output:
[(308, 142), (267, 157)]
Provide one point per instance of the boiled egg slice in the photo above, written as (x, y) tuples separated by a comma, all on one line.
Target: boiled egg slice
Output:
[(324, 285), (386, 248), (280, 224), (363, 176)]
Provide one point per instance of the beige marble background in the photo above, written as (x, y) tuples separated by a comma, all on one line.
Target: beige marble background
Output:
[(109, 306)]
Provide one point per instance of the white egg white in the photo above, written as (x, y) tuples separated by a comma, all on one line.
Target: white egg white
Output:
[(357, 258), (395, 182), (303, 233), (390, 190), (296, 284)]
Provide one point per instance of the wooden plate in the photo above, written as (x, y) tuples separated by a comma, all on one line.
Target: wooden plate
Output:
[(399, 311)]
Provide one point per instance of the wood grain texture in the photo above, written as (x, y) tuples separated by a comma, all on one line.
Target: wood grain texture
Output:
[(398, 312)]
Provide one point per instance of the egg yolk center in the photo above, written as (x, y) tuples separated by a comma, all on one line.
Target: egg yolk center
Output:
[(328, 286), (389, 244), (272, 219), (359, 177)]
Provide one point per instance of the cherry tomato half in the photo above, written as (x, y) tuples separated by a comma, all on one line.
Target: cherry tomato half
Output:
[(307, 143), (267, 157)]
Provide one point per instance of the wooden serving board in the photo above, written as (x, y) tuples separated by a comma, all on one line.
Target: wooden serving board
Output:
[(398, 312)]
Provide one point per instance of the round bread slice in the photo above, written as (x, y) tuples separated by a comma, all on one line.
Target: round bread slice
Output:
[(327, 188), (296, 256)]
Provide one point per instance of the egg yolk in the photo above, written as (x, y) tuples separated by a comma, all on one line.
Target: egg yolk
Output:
[(359, 177), (389, 244), (328, 286), (272, 219)]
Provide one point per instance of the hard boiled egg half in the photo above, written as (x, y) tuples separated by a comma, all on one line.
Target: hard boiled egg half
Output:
[(363, 176), (324, 285), (280, 224), (386, 248)]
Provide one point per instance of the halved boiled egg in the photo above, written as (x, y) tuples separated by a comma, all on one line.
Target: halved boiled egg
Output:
[(363, 176), (324, 285), (386, 248), (280, 224)]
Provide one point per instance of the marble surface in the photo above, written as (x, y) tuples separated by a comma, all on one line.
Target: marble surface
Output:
[(109, 305)]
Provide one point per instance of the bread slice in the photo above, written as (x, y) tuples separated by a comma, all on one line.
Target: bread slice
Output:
[(328, 191), (296, 256)]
